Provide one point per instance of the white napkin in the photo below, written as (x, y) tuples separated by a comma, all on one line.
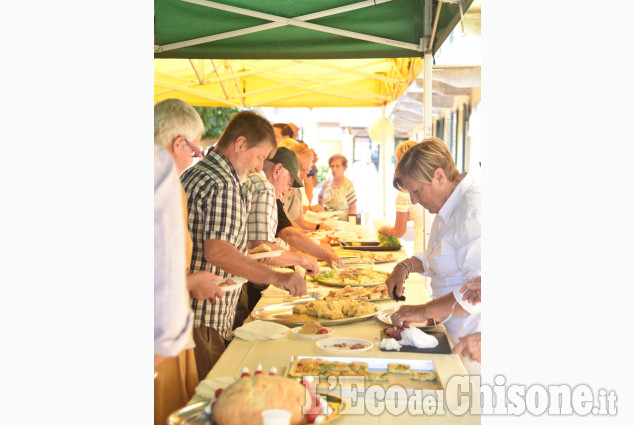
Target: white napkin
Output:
[(390, 344), (418, 338), (207, 387), (259, 330)]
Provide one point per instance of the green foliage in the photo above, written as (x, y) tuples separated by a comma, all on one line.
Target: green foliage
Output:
[(323, 172), (215, 119), (388, 240)]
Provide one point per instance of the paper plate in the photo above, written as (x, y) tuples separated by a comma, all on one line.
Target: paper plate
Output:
[(240, 281), (295, 332)]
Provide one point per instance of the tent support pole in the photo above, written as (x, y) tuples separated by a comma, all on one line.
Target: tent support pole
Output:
[(427, 95), (429, 31)]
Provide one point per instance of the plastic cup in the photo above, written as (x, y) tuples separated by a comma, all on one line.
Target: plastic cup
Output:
[(276, 417)]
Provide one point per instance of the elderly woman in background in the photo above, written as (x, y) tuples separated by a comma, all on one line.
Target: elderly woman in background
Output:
[(453, 255), (338, 193), (406, 211)]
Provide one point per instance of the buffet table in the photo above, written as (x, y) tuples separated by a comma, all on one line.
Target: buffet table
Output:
[(278, 353)]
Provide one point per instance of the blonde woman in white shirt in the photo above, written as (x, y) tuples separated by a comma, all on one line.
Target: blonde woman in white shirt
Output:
[(405, 210), (453, 255)]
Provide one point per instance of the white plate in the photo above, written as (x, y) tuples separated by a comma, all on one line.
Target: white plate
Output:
[(295, 333), (320, 217), (384, 317), (267, 254), (240, 281), (327, 345)]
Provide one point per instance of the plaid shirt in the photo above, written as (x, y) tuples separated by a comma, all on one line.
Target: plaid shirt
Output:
[(216, 210), (262, 221)]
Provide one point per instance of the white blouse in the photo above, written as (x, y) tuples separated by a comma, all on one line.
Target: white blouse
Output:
[(454, 252)]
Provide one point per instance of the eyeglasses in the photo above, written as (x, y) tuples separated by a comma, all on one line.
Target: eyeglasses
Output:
[(196, 152)]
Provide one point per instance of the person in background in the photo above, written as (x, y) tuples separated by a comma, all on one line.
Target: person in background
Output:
[(453, 255), (282, 131), (296, 202), (314, 181), (338, 193), (217, 218), (177, 132), (294, 128), (406, 210)]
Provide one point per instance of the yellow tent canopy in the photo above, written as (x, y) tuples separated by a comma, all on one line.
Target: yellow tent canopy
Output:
[(284, 83)]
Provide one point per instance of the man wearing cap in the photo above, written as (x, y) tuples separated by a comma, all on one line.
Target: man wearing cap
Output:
[(269, 224), (261, 191)]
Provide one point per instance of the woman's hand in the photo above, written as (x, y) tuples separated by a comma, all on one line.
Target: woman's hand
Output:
[(202, 287), (396, 280), (469, 346), (471, 290), (408, 314), (384, 230)]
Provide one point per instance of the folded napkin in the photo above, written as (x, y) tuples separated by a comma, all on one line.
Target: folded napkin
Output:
[(207, 387), (418, 338), (259, 330)]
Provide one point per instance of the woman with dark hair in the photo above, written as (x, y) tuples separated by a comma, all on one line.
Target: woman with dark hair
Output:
[(338, 193)]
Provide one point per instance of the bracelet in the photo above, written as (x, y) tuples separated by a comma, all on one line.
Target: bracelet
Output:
[(405, 268), (410, 262)]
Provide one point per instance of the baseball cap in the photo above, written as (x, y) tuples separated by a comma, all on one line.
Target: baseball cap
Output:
[(289, 161)]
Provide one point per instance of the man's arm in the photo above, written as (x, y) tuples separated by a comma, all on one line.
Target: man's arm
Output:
[(301, 242), (224, 255), (287, 258)]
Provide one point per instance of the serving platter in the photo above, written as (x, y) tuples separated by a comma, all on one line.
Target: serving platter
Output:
[(375, 366), (283, 313), (368, 246), (378, 277), (196, 414)]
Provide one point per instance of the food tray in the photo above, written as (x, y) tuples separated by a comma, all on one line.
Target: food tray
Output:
[(283, 314), (377, 365), (194, 414), (384, 276), (368, 246)]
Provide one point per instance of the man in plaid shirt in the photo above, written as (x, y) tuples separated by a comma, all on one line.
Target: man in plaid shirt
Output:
[(217, 219)]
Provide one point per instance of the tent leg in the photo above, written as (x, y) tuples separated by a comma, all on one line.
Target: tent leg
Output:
[(427, 95)]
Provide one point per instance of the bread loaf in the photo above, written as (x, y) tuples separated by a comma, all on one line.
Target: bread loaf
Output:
[(261, 248), (244, 401)]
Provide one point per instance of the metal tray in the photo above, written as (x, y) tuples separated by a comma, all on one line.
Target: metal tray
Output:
[(283, 314), (377, 365), (194, 414), (341, 284), (368, 246)]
